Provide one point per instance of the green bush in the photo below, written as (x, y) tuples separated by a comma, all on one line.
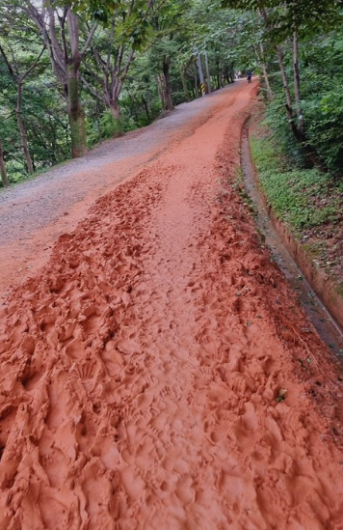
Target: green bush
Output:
[(324, 117), (321, 101)]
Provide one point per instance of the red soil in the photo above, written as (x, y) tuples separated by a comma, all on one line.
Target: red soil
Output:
[(144, 372)]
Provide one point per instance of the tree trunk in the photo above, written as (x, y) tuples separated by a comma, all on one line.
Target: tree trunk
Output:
[(231, 74), (76, 115), (115, 111), (161, 91), (301, 122), (146, 108), (207, 74), (196, 90), (266, 80), (22, 130), (166, 86), (3, 171), (98, 122), (218, 72), (261, 58), (289, 103), (298, 130), (184, 83), (201, 76)]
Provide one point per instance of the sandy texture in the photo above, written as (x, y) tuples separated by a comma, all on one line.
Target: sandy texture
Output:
[(144, 372), (34, 213)]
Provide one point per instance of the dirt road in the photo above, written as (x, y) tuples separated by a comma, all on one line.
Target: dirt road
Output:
[(35, 213), (158, 374)]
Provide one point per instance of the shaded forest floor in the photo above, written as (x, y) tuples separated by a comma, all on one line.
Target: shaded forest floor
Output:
[(150, 374)]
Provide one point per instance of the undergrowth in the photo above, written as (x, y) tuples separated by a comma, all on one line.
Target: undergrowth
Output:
[(303, 198)]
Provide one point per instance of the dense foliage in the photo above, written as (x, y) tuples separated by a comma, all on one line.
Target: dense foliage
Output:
[(298, 46), (72, 72), (321, 102)]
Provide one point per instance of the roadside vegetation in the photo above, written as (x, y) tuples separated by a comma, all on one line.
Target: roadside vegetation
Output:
[(309, 201), (298, 147)]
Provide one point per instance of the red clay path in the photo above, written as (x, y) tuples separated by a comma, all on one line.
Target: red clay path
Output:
[(158, 374)]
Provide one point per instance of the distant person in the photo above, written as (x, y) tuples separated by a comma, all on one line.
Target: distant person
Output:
[(239, 74), (249, 76)]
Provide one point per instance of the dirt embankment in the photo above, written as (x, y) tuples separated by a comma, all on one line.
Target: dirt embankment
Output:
[(159, 374)]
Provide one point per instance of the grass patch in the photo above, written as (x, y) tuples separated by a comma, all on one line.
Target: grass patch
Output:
[(303, 198)]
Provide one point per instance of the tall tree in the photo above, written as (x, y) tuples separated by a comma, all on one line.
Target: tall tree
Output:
[(287, 21), (112, 52), (60, 32), (19, 78)]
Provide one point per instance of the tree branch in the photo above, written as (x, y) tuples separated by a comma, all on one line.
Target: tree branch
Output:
[(9, 66), (89, 39), (58, 55), (92, 90), (33, 65)]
